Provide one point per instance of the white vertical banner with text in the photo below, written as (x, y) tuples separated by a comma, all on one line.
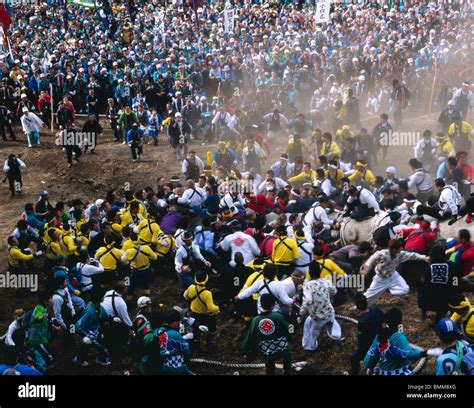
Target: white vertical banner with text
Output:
[(229, 15), (323, 8)]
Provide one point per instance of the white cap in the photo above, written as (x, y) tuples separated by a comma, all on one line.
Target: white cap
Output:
[(143, 301), (177, 115), (23, 95), (391, 170), (25, 109), (99, 202)]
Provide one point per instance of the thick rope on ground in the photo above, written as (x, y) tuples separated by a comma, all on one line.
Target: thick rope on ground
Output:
[(417, 368), (298, 364)]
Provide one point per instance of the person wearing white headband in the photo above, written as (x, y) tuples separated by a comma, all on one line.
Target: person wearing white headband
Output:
[(282, 168), (408, 209)]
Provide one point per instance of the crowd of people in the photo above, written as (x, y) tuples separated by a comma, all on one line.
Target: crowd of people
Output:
[(261, 242)]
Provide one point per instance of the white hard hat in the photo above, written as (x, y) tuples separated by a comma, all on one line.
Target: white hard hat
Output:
[(143, 301)]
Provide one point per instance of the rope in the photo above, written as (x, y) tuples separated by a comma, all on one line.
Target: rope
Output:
[(422, 360), (299, 364)]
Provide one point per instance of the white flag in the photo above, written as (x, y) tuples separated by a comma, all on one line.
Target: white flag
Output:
[(322, 11), (229, 20)]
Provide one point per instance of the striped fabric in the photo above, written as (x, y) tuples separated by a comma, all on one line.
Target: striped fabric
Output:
[(85, 3)]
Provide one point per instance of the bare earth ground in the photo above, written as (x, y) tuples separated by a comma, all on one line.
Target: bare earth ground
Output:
[(110, 168)]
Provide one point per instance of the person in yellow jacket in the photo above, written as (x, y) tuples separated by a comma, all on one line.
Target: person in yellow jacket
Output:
[(67, 243), (339, 112), (257, 265), (464, 316), (444, 146), (137, 196), (329, 268), (127, 241), (362, 175), (308, 175), (82, 236), (234, 144), (132, 216), (166, 245), (329, 147), (139, 258), (148, 229), (49, 227), (110, 258), (284, 252), (115, 220), (202, 307), (334, 174), (248, 307), (344, 133), (53, 250), (17, 258), (297, 146), (79, 216), (461, 134)]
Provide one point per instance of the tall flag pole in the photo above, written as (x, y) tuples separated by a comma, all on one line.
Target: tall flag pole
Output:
[(196, 4)]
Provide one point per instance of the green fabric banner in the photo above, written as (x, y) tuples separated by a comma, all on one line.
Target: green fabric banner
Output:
[(85, 3)]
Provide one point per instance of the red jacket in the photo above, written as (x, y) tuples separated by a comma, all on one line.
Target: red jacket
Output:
[(44, 100), (260, 203), (266, 247), (467, 257), (467, 169), (417, 239)]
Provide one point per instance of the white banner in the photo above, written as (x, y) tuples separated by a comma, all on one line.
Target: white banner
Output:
[(229, 20), (322, 11)]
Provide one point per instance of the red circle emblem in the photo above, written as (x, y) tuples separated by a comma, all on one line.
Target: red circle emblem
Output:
[(266, 326), (239, 241)]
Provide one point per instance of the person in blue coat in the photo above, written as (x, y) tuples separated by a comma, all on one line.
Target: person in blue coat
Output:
[(174, 350), (18, 369), (88, 327), (391, 349), (451, 358)]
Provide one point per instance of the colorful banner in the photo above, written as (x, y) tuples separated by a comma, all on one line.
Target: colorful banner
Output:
[(85, 3)]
